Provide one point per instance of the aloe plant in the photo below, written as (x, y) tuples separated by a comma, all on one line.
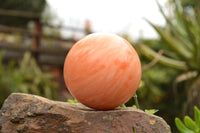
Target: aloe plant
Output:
[(26, 78), (30, 79), (189, 125), (181, 35)]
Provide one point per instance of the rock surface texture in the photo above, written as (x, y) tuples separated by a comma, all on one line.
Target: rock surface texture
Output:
[(24, 113)]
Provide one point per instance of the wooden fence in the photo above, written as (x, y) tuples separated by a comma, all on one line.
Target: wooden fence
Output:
[(52, 57), (36, 35)]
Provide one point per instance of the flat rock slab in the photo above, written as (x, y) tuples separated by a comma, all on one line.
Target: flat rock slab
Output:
[(24, 113)]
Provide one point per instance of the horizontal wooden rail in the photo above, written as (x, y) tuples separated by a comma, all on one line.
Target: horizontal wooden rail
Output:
[(7, 29), (56, 55), (23, 48), (17, 13), (50, 56), (64, 28), (32, 15)]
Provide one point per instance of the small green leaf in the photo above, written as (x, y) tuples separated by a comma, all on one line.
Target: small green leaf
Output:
[(197, 116), (134, 106), (72, 101), (190, 124), (151, 111), (123, 106), (181, 127)]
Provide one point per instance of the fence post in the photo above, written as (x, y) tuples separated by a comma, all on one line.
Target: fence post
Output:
[(87, 27), (36, 38)]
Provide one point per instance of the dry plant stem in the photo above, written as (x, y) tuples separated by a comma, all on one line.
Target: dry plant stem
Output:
[(153, 62), (136, 101)]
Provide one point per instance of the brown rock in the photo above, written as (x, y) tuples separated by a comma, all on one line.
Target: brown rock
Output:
[(24, 113)]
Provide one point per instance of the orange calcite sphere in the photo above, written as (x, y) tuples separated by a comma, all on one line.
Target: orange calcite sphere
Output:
[(102, 71)]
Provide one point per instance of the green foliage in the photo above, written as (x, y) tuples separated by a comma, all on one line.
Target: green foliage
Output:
[(174, 78), (189, 125), (36, 6), (134, 106), (191, 3), (123, 106), (156, 88), (27, 78), (72, 101), (182, 36), (151, 111), (28, 5), (3, 92)]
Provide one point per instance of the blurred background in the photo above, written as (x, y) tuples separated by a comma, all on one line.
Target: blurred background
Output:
[(35, 37)]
